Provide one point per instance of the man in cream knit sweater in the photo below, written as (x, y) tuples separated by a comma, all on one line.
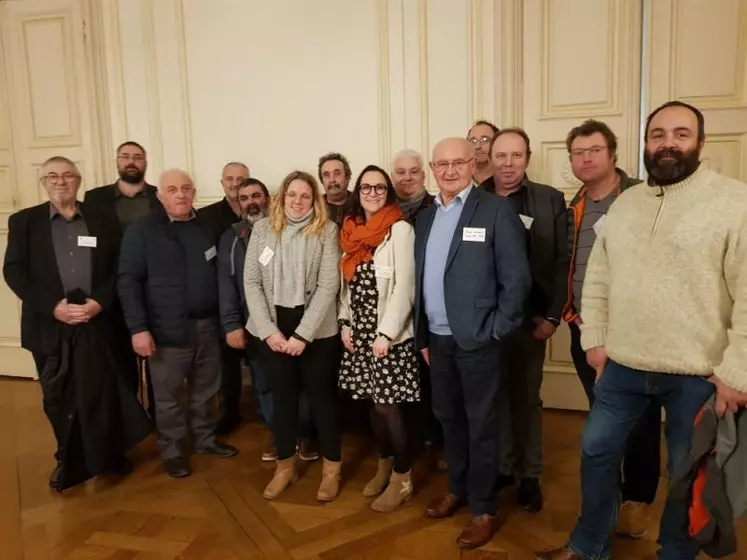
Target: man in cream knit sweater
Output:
[(664, 311)]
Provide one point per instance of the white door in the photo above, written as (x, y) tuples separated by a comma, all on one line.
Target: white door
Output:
[(581, 59), (698, 54), (45, 110)]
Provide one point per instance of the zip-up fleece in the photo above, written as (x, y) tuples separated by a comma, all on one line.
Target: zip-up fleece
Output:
[(576, 211)]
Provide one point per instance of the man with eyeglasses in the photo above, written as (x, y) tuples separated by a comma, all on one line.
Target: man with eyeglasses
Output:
[(124, 202), (592, 148), (481, 135), (472, 277), (61, 262)]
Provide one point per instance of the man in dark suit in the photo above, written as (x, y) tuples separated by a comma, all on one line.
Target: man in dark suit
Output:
[(543, 212), (216, 219), (472, 277), (124, 202), (61, 262)]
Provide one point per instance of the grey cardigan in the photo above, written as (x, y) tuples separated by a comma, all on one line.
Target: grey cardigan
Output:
[(322, 283)]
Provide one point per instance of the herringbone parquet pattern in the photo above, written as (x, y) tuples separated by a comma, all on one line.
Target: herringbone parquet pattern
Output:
[(219, 514)]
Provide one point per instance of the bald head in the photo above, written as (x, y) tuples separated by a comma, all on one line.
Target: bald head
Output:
[(176, 192), (233, 174), (453, 165)]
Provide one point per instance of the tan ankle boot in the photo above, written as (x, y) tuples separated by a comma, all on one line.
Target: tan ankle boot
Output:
[(398, 492), (330, 486), (285, 473), (377, 484)]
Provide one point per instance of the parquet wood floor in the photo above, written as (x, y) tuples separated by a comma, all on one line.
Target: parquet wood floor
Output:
[(219, 514)]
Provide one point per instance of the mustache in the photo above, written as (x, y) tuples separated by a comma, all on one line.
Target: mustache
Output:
[(669, 153)]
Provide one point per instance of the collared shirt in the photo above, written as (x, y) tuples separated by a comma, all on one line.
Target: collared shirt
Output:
[(130, 208), (74, 262), (436, 253)]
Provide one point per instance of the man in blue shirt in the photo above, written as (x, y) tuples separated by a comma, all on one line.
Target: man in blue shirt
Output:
[(472, 277)]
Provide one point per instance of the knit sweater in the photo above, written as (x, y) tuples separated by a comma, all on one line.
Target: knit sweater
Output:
[(666, 286)]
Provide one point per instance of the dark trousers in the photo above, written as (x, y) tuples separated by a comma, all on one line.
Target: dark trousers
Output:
[(465, 387), (313, 372), (39, 361), (523, 358), (642, 460), (197, 363), (231, 382)]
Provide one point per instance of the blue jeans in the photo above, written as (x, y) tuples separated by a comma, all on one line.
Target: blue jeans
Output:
[(622, 397), (263, 395)]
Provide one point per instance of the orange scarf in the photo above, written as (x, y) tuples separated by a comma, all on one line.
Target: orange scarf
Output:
[(358, 239)]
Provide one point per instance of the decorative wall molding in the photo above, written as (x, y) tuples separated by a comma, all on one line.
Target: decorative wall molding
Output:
[(509, 72), (385, 125), (735, 99), (31, 88), (156, 149)]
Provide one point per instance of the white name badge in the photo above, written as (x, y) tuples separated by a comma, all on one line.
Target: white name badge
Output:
[(210, 253), (384, 271), (266, 256), (473, 234), (526, 220), (86, 241), (598, 225)]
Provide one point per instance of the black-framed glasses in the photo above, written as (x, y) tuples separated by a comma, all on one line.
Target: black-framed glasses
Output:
[(481, 140), (379, 189)]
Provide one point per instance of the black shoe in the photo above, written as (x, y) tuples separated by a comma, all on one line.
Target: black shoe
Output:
[(54, 478), (530, 495), (504, 481), (176, 467), (222, 450), (228, 423)]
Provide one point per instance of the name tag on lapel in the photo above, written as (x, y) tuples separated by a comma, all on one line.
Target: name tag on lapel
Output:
[(86, 241), (384, 271), (526, 220), (473, 234), (210, 253), (266, 256)]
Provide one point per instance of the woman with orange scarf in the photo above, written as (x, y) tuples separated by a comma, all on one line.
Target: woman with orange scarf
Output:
[(380, 363)]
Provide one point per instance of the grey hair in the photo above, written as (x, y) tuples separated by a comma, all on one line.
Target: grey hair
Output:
[(237, 163), (407, 153), (174, 170)]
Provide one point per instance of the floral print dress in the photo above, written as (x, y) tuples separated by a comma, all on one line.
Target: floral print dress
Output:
[(392, 379)]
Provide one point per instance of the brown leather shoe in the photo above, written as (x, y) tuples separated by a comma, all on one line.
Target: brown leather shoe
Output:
[(445, 506), (478, 531), (558, 554)]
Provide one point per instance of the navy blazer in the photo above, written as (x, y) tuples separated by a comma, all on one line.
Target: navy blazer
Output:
[(485, 283)]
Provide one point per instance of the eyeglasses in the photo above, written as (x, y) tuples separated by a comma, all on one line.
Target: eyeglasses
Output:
[(65, 177), (378, 189), (593, 151), (481, 140), (443, 166), (133, 157)]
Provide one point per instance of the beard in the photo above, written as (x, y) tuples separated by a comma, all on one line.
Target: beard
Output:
[(679, 168), (131, 175), (254, 214)]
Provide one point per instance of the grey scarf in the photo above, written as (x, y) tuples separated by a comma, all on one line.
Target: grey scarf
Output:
[(289, 282), (410, 207)]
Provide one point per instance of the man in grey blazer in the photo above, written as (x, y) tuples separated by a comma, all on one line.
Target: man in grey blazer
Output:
[(472, 277)]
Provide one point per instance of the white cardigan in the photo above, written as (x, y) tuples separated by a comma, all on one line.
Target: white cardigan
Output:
[(394, 266)]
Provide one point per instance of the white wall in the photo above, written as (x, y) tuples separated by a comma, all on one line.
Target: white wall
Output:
[(277, 83)]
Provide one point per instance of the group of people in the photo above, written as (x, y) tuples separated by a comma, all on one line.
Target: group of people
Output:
[(393, 296)]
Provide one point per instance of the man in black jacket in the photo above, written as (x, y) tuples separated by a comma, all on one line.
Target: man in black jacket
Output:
[(124, 202), (130, 197), (168, 289), (61, 262), (217, 218), (542, 210)]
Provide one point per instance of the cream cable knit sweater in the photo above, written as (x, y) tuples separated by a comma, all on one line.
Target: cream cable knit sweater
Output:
[(666, 286)]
